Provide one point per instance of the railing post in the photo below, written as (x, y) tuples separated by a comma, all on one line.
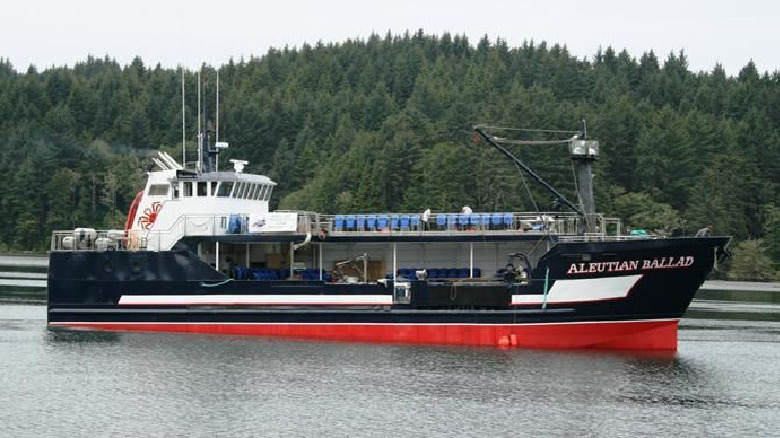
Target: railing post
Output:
[(292, 259), (394, 261), (471, 259)]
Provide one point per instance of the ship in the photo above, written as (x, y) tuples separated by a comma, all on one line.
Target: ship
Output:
[(201, 252)]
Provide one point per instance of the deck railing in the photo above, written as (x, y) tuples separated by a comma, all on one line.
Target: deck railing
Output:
[(554, 223), (565, 226)]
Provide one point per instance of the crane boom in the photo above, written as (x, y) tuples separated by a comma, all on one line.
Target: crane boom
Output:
[(529, 171)]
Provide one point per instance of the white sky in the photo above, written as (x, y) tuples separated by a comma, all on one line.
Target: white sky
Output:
[(57, 32)]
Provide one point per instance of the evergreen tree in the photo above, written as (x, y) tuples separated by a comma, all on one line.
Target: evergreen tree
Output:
[(383, 124)]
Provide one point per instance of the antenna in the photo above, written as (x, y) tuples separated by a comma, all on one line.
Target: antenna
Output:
[(206, 147), (217, 139), (200, 133), (183, 125), (216, 164)]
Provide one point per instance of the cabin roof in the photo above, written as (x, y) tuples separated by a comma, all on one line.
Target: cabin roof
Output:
[(173, 176)]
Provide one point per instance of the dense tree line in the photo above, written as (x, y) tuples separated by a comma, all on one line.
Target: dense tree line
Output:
[(384, 124)]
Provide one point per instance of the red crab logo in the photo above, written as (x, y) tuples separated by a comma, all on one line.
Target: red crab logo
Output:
[(150, 215)]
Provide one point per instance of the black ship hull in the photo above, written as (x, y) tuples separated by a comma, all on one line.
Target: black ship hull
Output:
[(617, 295)]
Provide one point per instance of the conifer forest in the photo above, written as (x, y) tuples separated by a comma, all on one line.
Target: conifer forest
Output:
[(384, 124)]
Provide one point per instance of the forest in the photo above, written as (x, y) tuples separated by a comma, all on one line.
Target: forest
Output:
[(384, 124)]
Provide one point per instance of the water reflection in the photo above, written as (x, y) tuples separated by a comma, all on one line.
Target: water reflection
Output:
[(58, 335), (722, 381)]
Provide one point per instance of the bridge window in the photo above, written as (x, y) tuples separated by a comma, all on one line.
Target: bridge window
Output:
[(188, 189), (224, 189), (261, 195), (202, 189), (158, 190), (176, 190), (213, 191), (268, 193), (256, 192)]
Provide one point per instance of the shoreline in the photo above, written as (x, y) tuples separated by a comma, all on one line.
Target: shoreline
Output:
[(742, 286)]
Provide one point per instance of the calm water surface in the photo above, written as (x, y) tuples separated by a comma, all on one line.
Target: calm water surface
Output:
[(724, 381)]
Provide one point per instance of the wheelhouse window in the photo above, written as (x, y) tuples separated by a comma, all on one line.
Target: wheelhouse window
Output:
[(176, 191), (268, 193), (188, 189), (224, 189), (261, 195), (158, 190), (248, 194), (213, 191), (202, 189), (255, 191)]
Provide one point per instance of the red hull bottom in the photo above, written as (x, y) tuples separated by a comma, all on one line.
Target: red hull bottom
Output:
[(616, 335)]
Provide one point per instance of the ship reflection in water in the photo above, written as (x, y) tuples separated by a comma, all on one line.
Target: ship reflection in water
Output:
[(722, 382)]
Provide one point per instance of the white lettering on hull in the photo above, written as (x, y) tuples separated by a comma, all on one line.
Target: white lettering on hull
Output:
[(674, 262)]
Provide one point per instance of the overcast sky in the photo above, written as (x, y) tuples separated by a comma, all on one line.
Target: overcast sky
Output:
[(56, 32)]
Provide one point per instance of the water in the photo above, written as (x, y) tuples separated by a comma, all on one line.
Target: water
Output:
[(723, 381)]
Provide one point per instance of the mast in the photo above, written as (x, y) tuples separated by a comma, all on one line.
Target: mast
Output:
[(183, 125), (206, 147), (216, 139), (200, 133), (583, 153)]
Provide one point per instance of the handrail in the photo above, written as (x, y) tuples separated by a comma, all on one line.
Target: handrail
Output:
[(564, 225)]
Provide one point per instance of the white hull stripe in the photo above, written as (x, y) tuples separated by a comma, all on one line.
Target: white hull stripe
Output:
[(582, 290), (269, 300), (630, 321)]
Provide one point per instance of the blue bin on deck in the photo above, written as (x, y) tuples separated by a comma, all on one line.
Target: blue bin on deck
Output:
[(508, 219)]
